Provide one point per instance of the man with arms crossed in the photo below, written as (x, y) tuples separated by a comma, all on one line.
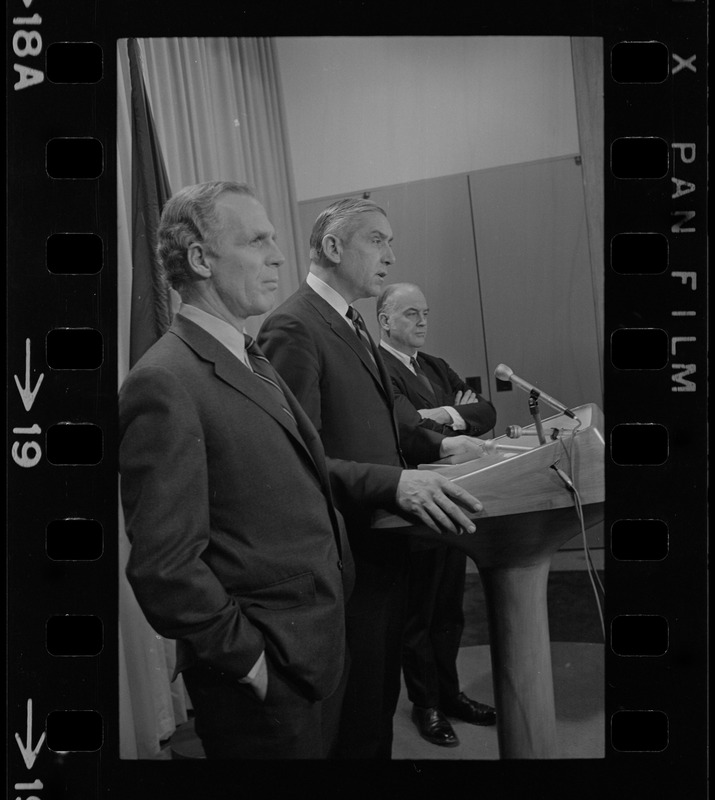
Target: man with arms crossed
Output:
[(436, 396), (237, 549), (318, 343)]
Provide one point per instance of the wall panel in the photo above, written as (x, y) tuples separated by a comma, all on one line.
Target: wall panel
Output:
[(536, 284)]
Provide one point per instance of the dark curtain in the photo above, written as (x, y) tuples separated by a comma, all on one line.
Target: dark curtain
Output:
[(150, 306)]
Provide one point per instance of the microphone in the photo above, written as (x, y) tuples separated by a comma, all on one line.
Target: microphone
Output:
[(516, 431), (504, 373)]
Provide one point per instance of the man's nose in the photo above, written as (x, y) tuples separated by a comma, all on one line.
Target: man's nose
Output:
[(276, 257)]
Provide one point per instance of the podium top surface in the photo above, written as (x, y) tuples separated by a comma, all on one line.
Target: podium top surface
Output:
[(517, 481)]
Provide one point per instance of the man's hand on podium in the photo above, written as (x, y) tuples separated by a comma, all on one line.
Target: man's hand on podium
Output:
[(436, 501), (466, 447)]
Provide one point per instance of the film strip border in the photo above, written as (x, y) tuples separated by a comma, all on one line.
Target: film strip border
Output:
[(655, 388), (62, 382), (62, 465)]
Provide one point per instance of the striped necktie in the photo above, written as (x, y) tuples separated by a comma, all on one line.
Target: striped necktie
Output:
[(359, 325), (421, 375), (262, 368)]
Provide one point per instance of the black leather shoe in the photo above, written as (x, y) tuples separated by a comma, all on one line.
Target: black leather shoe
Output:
[(462, 707), (434, 727)]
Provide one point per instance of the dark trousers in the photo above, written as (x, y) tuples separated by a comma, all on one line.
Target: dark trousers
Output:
[(435, 621), (374, 625), (233, 723)]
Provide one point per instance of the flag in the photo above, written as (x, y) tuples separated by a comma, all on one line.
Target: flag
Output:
[(150, 307)]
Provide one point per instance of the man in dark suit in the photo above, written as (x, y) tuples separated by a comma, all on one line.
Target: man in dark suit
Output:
[(237, 549), (433, 393), (319, 345)]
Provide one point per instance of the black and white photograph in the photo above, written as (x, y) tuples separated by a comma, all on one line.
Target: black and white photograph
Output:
[(357, 399), (465, 175)]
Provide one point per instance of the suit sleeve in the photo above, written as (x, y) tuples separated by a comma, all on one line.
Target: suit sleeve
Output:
[(355, 484), (480, 416), (164, 488), (408, 417), (420, 443)]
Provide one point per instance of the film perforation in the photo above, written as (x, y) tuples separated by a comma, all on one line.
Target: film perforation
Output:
[(74, 62), (74, 444), (74, 253), (640, 731), (74, 158), (74, 349), (75, 730), (639, 444), (74, 539), (639, 348), (639, 253), (639, 539), (644, 635), (74, 635), (639, 158), (640, 62)]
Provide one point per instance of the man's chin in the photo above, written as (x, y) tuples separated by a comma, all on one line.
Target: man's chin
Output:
[(268, 302)]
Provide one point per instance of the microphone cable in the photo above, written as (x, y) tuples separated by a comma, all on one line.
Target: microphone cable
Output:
[(570, 486)]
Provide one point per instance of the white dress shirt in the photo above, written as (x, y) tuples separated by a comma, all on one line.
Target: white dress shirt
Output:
[(333, 298), (231, 338)]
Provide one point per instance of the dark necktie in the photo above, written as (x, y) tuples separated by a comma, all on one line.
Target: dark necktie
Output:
[(359, 324), (262, 368), (421, 375)]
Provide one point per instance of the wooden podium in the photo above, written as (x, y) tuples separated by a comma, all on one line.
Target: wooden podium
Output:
[(528, 514)]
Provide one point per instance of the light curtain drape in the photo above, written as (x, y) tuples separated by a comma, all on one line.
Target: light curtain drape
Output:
[(218, 110), (219, 115), (587, 56)]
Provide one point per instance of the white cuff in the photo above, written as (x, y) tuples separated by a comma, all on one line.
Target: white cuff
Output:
[(458, 423), (254, 669)]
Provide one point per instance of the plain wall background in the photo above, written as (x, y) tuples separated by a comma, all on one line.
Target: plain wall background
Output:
[(376, 111)]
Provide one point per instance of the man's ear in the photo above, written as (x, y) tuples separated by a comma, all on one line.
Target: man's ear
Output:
[(332, 248), (384, 322), (196, 256)]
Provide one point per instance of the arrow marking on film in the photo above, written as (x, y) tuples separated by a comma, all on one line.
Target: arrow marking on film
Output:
[(26, 393), (29, 754)]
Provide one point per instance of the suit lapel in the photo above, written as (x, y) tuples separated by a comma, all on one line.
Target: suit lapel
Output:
[(310, 437), (415, 385), (428, 372), (342, 328), (230, 370)]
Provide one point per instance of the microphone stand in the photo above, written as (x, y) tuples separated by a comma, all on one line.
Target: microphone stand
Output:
[(534, 409)]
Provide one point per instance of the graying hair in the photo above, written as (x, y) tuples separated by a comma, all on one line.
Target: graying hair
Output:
[(190, 216), (340, 220)]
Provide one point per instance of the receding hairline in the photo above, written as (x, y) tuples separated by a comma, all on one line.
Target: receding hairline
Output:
[(387, 296), (248, 229)]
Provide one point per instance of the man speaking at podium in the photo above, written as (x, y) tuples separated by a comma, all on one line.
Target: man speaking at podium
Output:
[(436, 396), (319, 344), (237, 549)]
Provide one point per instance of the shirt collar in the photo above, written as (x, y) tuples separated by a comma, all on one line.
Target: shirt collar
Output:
[(232, 339), (405, 359), (333, 298)]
